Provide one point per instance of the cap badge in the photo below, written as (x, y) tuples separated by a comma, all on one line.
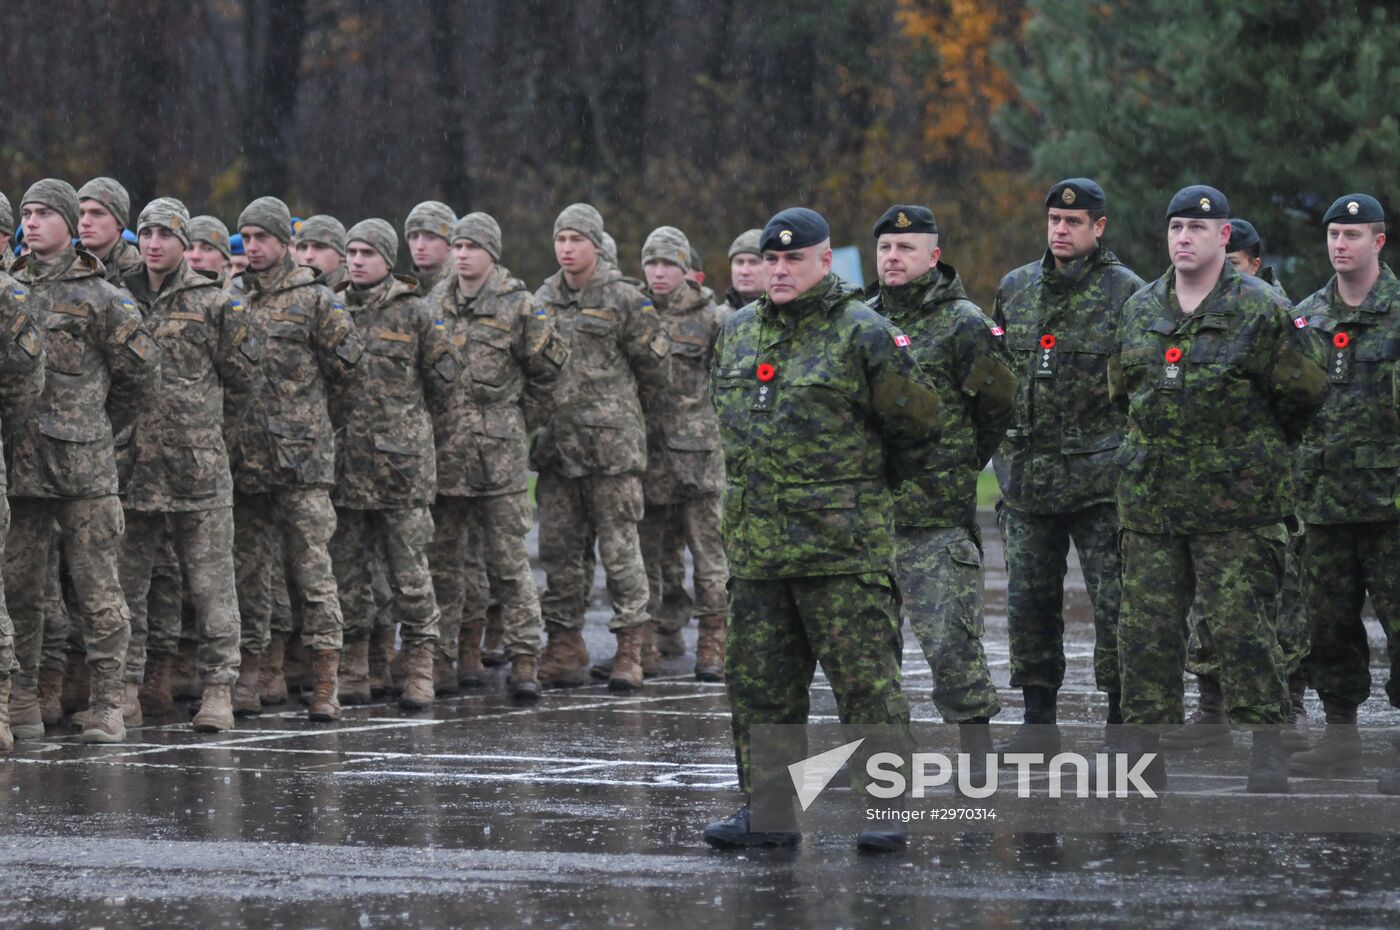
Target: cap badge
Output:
[(902, 221), (1067, 196), (1205, 204), (785, 237), (1353, 207)]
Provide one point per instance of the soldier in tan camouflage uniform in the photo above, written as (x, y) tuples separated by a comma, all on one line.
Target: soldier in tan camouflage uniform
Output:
[(282, 454), (428, 230), (592, 450), (103, 212), (7, 225), (386, 466), (746, 274), (209, 248), (321, 245), (102, 366)]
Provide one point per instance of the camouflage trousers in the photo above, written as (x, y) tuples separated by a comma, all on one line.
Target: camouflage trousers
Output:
[(573, 513), (203, 543), (1037, 546), (1236, 577), (405, 535), (469, 528), (667, 530), (1291, 626), (777, 631), (7, 627), (303, 520), (1343, 563), (940, 576), (91, 532), (286, 616)]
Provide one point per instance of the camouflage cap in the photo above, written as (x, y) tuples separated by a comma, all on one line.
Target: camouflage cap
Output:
[(270, 214), (110, 193), (667, 244), (482, 229), (7, 216), (377, 234), (169, 213), (696, 262), (609, 248), (581, 218), (212, 230), (323, 229), (746, 244), (430, 216), (58, 195)]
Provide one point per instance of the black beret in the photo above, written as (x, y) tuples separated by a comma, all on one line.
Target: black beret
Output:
[(1355, 208), (1077, 194), (793, 228), (1200, 202), (906, 218), (1243, 235)]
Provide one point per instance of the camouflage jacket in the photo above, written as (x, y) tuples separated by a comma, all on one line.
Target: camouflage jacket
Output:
[(513, 360), (177, 460), (21, 359), (1058, 452), (427, 280), (822, 411), (1271, 278), (385, 455), (102, 369), (1348, 463), (1214, 400), (616, 350), (120, 263), (299, 337), (338, 278), (961, 352), (684, 458)]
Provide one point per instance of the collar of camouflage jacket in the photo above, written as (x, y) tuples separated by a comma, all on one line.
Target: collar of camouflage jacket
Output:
[(391, 288), (1384, 295), (939, 285), (1068, 277), (687, 298), (71, 264), (829, 292), (1217, 303), (498, 283), (282, 276), (183, 278)]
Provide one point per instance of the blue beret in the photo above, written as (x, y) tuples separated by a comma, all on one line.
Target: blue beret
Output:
[(793, 228), (1355, 208), (1199, 202), (235, 244), (1243, 235), (906, 218), (1077, 194)]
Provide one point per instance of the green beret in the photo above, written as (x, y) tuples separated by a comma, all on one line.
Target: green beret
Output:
[(792, 229), (1354, 208), (906, 218), (1077, 194), (1199, 202), (1243, 235)]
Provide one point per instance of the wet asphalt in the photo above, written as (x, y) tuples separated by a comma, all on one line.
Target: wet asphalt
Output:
[(586, 810)]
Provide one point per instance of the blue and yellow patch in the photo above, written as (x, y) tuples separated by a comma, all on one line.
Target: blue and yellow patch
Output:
[(19, 293), (539, 312), (648, 306)]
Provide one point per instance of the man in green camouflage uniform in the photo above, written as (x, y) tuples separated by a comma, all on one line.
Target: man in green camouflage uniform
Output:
[(427, 231), (513, 359), (177, 463), (102, 367), (591, 451), (821, 405), (386, 466), (1055, 465), (939, 545), (1218, 382), (283, 451), (1348, 463)]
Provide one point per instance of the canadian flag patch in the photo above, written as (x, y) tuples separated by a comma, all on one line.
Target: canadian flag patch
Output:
[(901, 340), (1301, 322), (998, 331)]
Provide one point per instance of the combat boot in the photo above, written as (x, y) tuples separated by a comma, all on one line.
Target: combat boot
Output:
[(1268, 769), (272, 677), (670, 643), (444, 675), (51, 696), (354, 685), (1113, 725), (524, 685), (325, 670), (77, 683), (418, 677), (26, 722), (1389, 783), (709, 648), (131, 704), (104, 721), (493, 653), (627, 661), (1039, 732), (185, 684), (975, 742), (215, 710), (651, 659), (296, 668), (7, 739), (246, 702), (155, 695), (1208, 726), (1338, 753), (470, 673), (1295, 736), (733, 833), (565, 660), (381, 661)]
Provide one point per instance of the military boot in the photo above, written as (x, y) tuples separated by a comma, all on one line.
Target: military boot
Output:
[(444, 675), (272, 677), (354, 685), (418, 677), (733, 832), (215, 710), (381, 661), (7, 739), (975, 742), (104, 721), (77, 683), (493, 653), (470, 673), (709, 648), (1268, 768), (1389, 782), (524, 684), (131, 704), (670, 643), (1338, 753), (1208, 726), (246, 702), (325, 671), (185, 684), (627, 661), (296, 668), (51, 696), (565, 660), (155, 695), (651, 659), (1295, 736), (26, 722), (1039, 731), (1113, 725)]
